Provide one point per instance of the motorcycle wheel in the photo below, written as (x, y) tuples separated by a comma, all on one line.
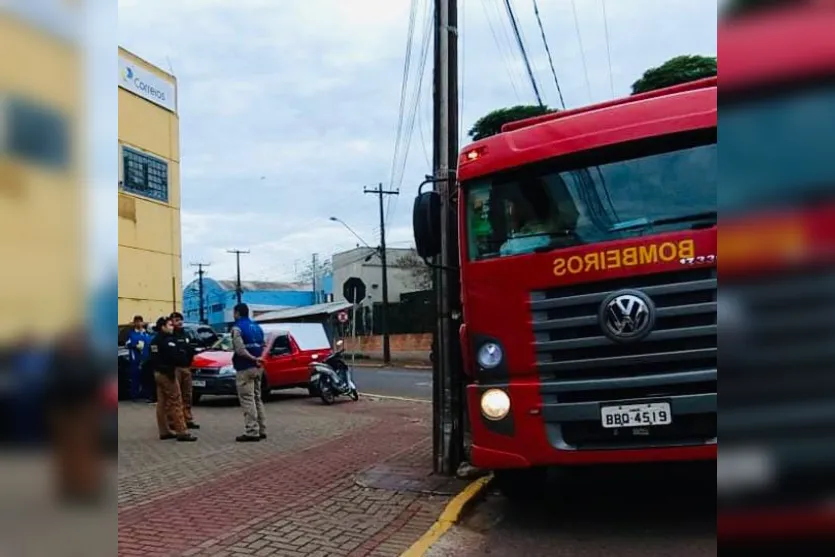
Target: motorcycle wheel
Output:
[(355, 396), (327, 394)]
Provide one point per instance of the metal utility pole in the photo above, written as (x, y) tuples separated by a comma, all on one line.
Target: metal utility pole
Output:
[(238, 290), (448, 379), (380, 192), (315, 270), (200, 273)]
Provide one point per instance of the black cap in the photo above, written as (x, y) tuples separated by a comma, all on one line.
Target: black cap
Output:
[(162, 321), (176, 315)]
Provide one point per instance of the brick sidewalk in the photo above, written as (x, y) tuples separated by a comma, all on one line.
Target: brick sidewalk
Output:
[(292, 495)]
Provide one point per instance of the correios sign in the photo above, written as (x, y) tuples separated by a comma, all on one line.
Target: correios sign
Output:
[(146, 84)]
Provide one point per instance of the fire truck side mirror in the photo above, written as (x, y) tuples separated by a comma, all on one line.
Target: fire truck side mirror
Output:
[(426, 223)]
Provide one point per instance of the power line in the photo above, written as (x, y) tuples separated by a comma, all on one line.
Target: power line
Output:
[(412, 113), (407, 60), (582, 50), (548, 51), (502, 52), (608, 48), (522, 49)]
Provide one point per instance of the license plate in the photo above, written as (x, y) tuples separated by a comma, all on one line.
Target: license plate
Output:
[(636, 415), (198, 383)]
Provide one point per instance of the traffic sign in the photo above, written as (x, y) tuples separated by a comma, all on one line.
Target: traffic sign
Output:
[(342, 317), (354, 290)]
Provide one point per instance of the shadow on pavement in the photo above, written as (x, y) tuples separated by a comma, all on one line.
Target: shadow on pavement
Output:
[(675, 498), (641, 510)]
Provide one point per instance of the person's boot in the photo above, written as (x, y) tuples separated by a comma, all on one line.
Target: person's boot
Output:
[(247, 438), (186, 437), (167, 436), (192, 425)]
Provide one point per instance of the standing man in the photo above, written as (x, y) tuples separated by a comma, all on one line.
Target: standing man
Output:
[(183, 371), (248, 346), (165, 356), (137, 344)]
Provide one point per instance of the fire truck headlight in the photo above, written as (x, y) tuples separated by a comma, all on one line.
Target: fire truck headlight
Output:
[(495, 404), (490, 355)]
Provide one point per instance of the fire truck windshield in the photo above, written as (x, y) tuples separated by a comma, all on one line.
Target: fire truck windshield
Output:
[(623, 191), (777, 147)]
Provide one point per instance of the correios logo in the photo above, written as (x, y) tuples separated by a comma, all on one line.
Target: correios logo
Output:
[(129, 76)]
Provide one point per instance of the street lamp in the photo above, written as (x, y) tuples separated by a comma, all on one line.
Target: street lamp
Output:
[(384, 314)]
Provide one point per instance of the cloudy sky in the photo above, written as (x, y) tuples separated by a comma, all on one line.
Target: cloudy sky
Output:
[(288, 108)]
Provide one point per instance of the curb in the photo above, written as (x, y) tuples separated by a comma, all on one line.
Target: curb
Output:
[(393, 366), (449, 517), (400, 398)]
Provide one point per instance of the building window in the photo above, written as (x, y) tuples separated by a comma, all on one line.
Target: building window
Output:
[(145, 175), (34, 133)]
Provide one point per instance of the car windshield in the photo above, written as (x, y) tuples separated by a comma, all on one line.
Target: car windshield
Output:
[(223, 344), (776, 148), (631, 189)]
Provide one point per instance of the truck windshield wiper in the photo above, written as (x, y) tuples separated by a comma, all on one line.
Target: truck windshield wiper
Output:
[(702, 220)]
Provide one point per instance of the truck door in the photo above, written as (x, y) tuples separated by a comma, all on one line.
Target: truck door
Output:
[(280, 362)]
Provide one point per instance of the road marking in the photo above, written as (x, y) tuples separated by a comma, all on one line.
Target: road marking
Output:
[(404, 399), (451, 515), (423, 384)]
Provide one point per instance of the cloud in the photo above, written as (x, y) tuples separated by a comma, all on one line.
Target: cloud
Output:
[(289, 109)]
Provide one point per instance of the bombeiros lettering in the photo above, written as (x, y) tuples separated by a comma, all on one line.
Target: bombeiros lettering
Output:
[(649, 254)]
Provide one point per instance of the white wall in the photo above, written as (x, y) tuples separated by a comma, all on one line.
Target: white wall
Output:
[(352, 264)]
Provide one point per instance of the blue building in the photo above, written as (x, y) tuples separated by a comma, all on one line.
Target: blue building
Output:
[(219, 298)]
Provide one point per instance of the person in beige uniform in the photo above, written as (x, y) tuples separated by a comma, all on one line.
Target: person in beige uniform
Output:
[(248, 346)]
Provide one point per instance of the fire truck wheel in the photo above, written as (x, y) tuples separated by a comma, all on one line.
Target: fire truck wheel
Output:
[(521, 485)]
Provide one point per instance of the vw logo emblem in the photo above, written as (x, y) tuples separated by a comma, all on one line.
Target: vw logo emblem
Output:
[(627, 316)]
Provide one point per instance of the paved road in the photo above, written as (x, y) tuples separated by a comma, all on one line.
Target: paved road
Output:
[(648, 512), (406, 383)]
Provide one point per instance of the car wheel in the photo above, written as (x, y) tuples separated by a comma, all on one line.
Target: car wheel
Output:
[(312, 391)]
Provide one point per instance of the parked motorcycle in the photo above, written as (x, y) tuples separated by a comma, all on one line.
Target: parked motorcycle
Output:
[(332, 377)]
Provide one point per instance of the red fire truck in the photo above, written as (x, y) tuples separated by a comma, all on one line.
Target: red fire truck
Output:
[(588, 276), (778, 294)]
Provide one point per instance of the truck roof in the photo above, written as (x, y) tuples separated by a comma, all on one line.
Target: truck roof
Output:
[(778, 45), (677, 109)]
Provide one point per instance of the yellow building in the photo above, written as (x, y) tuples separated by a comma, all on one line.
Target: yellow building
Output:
[(42, 272), (150, 269)]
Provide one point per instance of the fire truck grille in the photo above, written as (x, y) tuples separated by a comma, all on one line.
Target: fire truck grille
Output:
[(570, 344), (777, 367)]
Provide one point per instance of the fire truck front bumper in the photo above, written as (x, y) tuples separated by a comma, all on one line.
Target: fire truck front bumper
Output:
[(522, 425)]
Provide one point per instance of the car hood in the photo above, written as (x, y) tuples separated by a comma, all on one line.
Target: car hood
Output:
[(212, 359)]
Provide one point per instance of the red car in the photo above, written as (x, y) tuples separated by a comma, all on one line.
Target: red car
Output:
[(290, 348)]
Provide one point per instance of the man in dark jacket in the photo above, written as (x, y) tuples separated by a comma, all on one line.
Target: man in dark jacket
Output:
[(165, 358), (185, 348)]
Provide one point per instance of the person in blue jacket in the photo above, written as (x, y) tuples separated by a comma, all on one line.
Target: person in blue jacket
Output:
[(138, 344)]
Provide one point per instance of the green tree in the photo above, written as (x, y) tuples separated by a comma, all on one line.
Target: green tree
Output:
[(491, 124), (420, 271), (674, 71)]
